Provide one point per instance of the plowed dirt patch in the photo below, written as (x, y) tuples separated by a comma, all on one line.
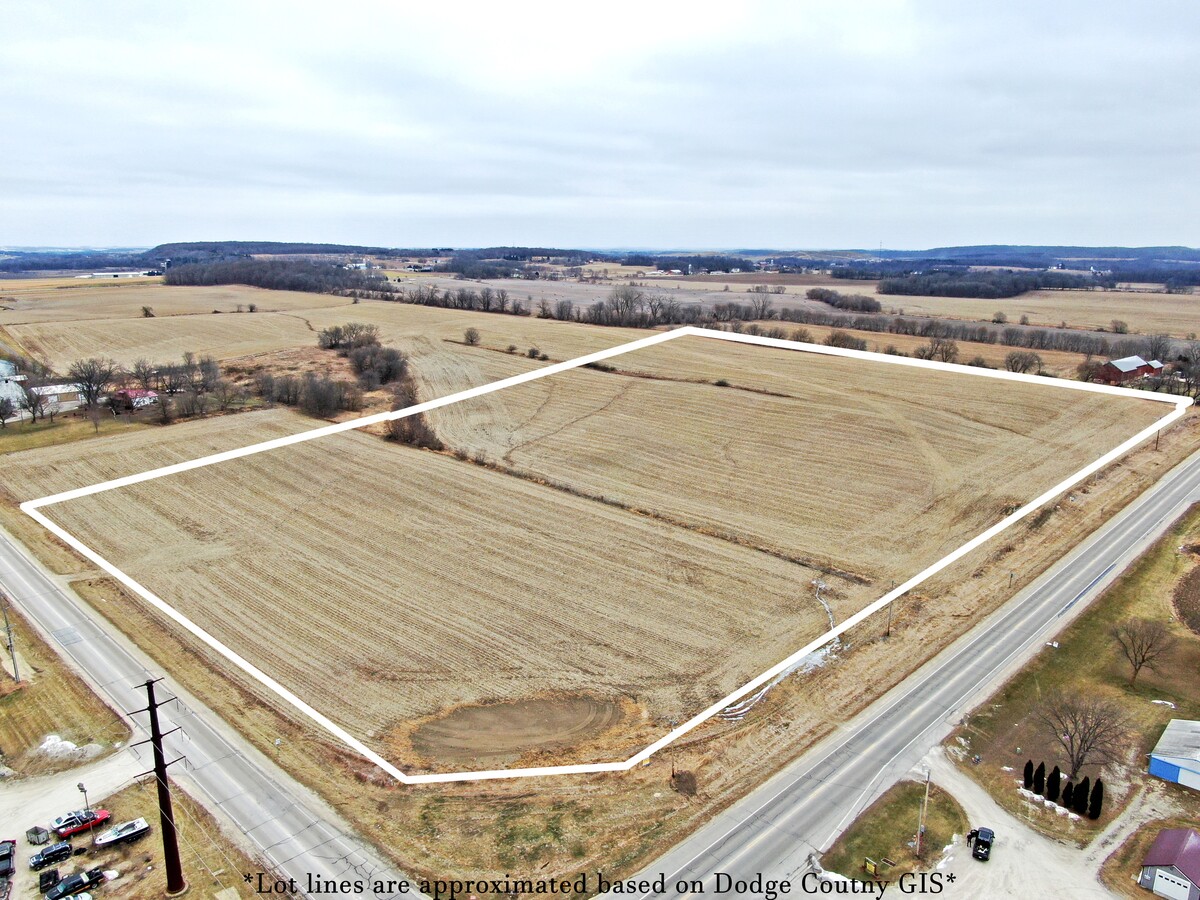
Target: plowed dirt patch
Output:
[(499, 733)]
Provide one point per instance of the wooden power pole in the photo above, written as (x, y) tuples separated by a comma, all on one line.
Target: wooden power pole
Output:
[(174, 866), (921, 821), (8, 639)]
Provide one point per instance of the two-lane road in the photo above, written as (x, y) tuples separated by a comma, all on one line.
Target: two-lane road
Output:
[(292, 829), (775, 829)]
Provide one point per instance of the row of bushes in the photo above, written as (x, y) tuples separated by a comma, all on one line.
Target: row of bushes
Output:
[(1084, 797)]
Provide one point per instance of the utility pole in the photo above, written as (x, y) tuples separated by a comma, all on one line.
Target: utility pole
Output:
[(888, 633), (175, 882), (8, 635), (921, 821)]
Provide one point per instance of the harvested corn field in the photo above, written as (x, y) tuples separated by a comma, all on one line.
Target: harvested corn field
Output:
[(631, 544)]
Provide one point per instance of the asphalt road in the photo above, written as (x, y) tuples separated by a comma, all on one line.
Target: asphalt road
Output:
[(297, 834), (774, 830)]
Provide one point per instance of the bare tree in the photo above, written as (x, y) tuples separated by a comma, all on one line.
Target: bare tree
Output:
[(1023, 361), (1143, 643), (143, 373), (191, 369), (32, 402), (761, 307), (1089, 729), (93, 375), (943, 349), (7, 411), (471, 336), (225, 392)]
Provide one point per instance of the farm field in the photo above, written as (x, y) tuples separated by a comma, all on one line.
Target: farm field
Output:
[(1058, 362), (494, 588), (1175, 314), (35, 300), (417, 586), (720, 458)]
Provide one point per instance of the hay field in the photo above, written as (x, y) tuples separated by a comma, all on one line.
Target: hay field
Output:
[(126, 340), (868, 468), (1059, 362), (48, 300), (385, 584), (1174, 314)]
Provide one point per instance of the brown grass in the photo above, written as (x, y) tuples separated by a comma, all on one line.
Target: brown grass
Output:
[(51, 699), (888, 827)]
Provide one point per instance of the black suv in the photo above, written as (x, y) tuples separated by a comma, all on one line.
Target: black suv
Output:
[(983, 844), (52, 854)]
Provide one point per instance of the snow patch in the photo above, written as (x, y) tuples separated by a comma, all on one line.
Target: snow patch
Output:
[(55, 747)]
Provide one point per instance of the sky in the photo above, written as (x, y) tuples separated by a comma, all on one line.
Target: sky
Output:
[(617, 125)]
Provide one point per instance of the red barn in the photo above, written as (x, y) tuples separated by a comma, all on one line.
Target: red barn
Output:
[(1118, 371)]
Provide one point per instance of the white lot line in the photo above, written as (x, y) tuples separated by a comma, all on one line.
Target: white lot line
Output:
[(32, 508)]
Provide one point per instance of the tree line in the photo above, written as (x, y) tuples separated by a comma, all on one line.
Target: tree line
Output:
[(851, 302), (712, 262), (277, 274), (984, 284)]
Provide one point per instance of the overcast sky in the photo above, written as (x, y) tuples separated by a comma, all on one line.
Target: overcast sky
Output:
[(680, 125)]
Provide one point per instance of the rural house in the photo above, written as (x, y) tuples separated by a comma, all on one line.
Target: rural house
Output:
[(134, 398), (1172, 865), (1176, 756), (1118, 371)]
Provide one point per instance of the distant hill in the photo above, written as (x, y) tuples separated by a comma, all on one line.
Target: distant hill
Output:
[(282, 248)]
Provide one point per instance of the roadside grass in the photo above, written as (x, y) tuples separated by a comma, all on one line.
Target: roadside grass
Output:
[(51, 699), (1004, 731), (888, 828), (17, 436)]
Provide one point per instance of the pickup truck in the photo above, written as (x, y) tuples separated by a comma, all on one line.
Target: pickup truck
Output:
[(74, 884)]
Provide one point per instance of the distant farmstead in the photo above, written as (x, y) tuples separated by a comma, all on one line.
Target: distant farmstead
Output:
[(1176, 756), (1172, 865), (134, 398), (1119, 371)]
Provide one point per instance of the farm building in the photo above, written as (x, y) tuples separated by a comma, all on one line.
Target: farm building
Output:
[(10, 386), (1176, 757), (1118, 371), (134, 398), (63, 397), (1172, 865), (7, 369)]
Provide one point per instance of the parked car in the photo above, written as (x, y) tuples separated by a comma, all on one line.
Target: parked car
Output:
[(125, 833), (8, 858), (83, 820), (47, 880), (983, 844), (49, 855), (75, 884)]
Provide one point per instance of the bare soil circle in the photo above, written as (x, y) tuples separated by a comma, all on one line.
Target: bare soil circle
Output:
[(494, 733)]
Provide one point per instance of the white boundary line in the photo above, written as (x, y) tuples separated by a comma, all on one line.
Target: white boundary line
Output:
[(33, 507)]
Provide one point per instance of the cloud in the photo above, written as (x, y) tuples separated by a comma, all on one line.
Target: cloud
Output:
[(770, 124)]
